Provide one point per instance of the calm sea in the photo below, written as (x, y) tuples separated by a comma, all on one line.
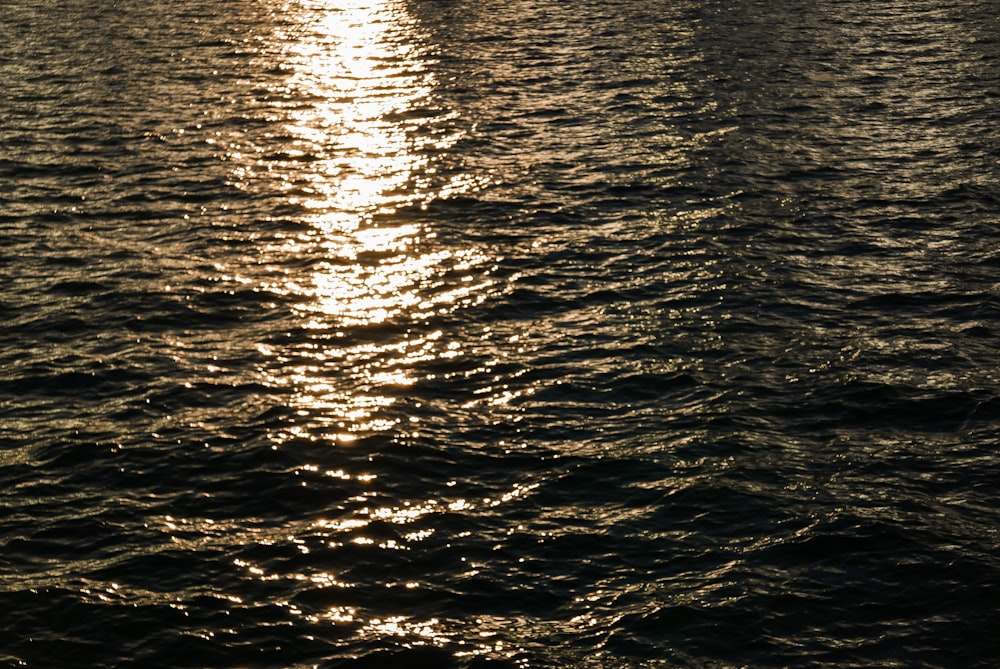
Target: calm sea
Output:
[(519, 334)]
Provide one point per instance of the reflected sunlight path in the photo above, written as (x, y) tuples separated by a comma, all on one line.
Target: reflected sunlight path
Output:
[(363, 134)]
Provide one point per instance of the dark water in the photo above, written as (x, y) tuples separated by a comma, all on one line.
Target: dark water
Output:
[(530, 333)]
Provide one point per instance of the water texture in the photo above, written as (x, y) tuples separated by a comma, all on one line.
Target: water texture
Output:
[(439, 333)]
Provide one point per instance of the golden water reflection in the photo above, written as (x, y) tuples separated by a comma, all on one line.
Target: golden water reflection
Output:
[(363, 139), (360, 64), (359, 148)]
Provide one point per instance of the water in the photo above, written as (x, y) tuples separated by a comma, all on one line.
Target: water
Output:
[(522, 334)]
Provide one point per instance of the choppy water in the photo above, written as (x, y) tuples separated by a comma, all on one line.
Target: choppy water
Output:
[(529, 333)]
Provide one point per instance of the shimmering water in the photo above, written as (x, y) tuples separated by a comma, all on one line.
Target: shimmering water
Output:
[(439, 333)]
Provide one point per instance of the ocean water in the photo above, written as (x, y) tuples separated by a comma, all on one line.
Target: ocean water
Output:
[(439, 333)]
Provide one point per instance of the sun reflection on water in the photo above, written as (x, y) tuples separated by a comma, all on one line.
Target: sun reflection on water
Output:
[(366, 75), (359, 147), (363, 139)]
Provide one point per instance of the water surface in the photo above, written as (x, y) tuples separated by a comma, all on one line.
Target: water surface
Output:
[(526, 334)]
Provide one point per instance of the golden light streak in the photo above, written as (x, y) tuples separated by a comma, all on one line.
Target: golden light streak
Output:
[(361, 136)]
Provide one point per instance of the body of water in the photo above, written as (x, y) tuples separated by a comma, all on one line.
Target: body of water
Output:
[(439, 333)]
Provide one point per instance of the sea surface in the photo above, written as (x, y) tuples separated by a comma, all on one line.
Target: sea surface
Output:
[(482, 333)]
